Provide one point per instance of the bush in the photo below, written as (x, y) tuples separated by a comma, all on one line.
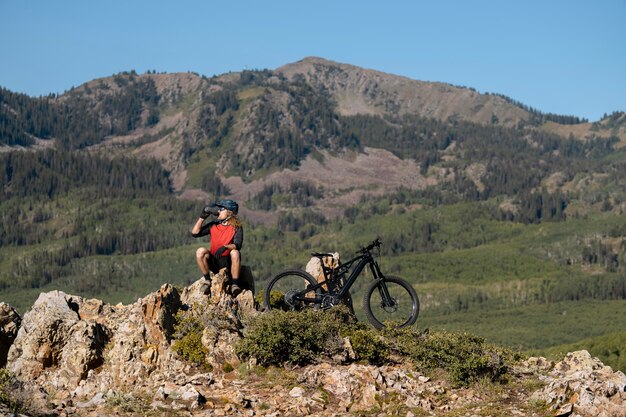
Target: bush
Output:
[(190, 327), (465, 357), (278, 337), (188, 343), (9, 385), (369, 345)]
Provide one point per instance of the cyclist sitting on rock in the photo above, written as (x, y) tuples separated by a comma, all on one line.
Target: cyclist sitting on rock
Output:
[(226, 239)]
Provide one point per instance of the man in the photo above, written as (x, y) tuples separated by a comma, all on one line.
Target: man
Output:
[(226, 239)]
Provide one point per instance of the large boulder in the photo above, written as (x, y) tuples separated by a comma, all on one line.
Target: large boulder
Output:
[(215, 294), (52, 337)]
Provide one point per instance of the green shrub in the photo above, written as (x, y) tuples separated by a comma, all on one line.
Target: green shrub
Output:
[(189, 328), (8, 386), (466, 358), (279, 337), (258, 298), (188, 343), (369, 345)]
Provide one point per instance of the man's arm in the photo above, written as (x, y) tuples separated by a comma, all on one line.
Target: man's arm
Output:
[(238, 239), (199, 229)]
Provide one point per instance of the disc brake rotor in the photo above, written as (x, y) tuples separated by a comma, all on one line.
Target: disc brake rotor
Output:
[(391, 307)]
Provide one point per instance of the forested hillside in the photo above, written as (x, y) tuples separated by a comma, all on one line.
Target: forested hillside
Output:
[(514, 231), (73, 119)]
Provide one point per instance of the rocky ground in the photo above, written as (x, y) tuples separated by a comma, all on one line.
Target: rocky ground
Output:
[(73, 356)]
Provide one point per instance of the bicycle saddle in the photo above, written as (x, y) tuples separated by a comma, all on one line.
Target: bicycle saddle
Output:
[(321, 255)]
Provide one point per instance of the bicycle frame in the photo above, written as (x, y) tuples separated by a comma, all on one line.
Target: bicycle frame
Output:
[(329, 276)]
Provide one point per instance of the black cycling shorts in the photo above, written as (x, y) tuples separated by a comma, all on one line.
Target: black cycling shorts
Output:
[(216, 264)]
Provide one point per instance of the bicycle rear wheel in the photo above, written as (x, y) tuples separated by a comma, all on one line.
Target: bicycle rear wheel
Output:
[(391, 302), (287, 290)]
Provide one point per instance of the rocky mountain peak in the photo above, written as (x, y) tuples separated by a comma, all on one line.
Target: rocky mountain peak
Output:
[(364, 91)]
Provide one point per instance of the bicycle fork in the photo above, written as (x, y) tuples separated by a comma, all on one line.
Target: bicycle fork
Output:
[(387, 301)]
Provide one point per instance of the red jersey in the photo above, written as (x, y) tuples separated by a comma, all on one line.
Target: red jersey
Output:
[(220, 236)]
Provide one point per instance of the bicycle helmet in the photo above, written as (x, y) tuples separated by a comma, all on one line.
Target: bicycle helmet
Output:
[(228, 205)]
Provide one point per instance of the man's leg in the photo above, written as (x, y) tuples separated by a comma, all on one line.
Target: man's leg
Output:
[(235, 264), (235, 267), (202, 259)]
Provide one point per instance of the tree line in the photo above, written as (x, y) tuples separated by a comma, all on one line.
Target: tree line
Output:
[(31, 181), (75, 225), (516, 160), (51, 172), (538, 117)]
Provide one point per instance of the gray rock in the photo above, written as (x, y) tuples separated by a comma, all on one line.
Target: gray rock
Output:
[(45, 331), (190, 394), (582, 383), (297, 392), (97, 400)]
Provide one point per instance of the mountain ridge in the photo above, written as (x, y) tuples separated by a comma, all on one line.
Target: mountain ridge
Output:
[(353, 88), (339, 78), (376, 92), (236, 133)]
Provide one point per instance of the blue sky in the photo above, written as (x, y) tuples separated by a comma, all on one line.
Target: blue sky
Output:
[(558, 56)]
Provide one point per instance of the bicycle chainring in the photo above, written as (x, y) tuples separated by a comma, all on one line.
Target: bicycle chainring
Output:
[(329, 301), (289, 298)]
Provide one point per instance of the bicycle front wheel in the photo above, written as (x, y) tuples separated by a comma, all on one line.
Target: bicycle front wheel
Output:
[(287, 291), (391, 302)]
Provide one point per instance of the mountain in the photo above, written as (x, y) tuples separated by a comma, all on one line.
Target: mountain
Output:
[(361, 91), (304, 123), (508, 222)]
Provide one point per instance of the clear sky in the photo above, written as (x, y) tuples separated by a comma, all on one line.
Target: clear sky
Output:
[(558, 56)]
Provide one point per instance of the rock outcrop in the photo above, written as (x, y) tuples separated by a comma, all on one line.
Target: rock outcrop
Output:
[(76, 356), (582, 385), (74, 349)]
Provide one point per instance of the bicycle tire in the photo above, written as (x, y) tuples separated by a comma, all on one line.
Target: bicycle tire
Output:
[(400, 315), (276, 294)]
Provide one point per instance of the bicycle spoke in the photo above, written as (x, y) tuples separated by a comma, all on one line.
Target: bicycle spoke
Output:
[(392, 303), (287, 292)]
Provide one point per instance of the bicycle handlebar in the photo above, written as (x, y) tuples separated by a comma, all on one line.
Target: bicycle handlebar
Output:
[(375, 244)]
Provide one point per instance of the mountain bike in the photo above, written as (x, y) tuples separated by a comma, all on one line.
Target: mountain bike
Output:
[(388, 301)]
